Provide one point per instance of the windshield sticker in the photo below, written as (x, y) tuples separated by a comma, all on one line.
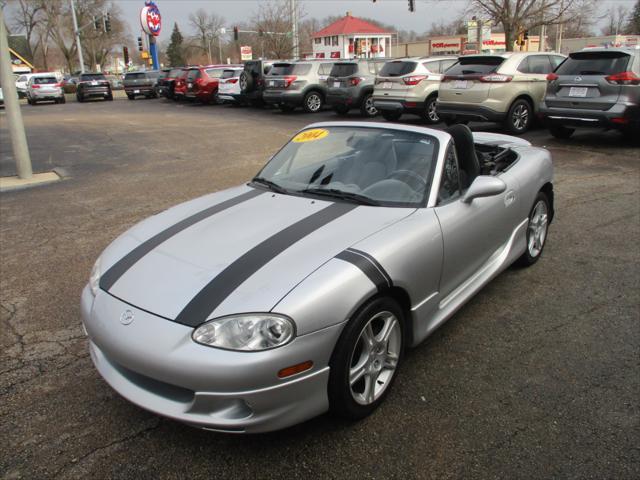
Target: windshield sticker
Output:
[(311, 135)]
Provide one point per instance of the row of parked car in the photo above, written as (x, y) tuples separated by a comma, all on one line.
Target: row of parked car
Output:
[(593, 87)]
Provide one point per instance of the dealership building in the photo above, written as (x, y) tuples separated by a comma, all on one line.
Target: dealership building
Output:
[(351, 37)]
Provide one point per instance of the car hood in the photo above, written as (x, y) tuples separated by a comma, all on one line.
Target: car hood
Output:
[(243, 258)]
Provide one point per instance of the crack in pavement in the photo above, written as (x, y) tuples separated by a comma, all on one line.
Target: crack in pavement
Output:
[(77, 461)]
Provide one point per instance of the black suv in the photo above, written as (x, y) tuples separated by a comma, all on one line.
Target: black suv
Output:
[(594, 88), (252, 82), (93, 85), (141, 83), (350, 85)]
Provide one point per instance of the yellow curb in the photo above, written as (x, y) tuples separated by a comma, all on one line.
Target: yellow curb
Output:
[(15, 183)]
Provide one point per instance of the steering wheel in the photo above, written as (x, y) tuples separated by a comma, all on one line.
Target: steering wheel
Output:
[(411, 178)]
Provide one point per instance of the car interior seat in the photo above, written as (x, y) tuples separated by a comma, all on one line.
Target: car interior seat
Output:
[(467, 158)]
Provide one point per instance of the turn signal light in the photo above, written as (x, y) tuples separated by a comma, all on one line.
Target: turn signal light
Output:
[(551, 77), (624, 78), (288, 80), (414, 80), (295, 369)]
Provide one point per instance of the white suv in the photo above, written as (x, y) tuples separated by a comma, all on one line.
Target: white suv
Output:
[(410, 85)]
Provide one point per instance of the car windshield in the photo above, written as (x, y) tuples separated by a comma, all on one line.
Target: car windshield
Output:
[(594, 63), (44, 80), (134, 76), (230, 73), (371, 166), (280, 69), (397, 68), (91, 76), (475, 65), (344, 69)]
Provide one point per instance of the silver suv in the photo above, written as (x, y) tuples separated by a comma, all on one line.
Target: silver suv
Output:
[(594, 88), (506, 88), (410, 85), (297, 84), (350, 85)]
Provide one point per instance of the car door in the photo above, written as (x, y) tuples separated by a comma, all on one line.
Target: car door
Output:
[(471, 232)]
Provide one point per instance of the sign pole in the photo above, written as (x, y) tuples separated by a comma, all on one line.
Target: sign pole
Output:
[(153, 51)]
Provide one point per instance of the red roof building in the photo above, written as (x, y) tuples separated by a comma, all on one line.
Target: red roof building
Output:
[(351, 37)]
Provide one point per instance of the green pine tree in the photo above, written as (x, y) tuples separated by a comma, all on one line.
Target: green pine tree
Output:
[(633, 27), (175, 50)]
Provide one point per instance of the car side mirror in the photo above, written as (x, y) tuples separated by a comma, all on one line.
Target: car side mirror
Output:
[(484, 186)]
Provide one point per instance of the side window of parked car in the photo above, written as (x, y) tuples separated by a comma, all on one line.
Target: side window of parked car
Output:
[(450, 181), (433, 67), (325, 69), (536, 64)]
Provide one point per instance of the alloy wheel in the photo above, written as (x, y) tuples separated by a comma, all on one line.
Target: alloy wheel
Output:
[(520, 117), (537, 230), (432, 113), (375, 357), (314, 102), (371, 110)]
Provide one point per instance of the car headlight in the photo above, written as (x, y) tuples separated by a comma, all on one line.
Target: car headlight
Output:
[(94, 278), (248, 332)]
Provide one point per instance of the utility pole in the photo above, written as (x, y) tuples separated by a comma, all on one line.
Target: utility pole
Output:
[(77, 33), (12, 107), (294, 29), (543, 28)]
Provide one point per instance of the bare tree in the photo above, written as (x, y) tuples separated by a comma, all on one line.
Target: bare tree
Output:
[(457, 26), (58, 21), (207, 27), (616, 20), (513, 15), (28, 15), (273, 18)]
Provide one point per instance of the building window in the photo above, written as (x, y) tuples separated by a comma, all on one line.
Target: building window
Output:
[(318, 41), (327, 41), (334, 40)]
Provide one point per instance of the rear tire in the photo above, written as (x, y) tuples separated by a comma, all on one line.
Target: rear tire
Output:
[(109, 98), (430, 114), (519, 117), (537, 231), (560, 131), (313, 102), (365, 361), (391, 116)]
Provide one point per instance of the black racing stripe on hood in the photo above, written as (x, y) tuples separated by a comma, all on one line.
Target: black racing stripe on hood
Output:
[(118, 269), (369, 266), (217, 290)]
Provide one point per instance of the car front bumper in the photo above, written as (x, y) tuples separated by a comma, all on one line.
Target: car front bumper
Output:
[(618, 116), (282, 97), (154, 363), (469, 112)]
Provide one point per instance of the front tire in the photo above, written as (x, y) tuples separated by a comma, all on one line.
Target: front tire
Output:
[(368, 109), (537, 230), (313, 102), (519, 117), (366, 358)]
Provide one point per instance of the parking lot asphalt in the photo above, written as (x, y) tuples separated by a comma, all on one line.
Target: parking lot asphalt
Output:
[(536, 377)]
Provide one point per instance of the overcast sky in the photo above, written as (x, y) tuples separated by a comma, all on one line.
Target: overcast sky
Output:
[(393, 12)]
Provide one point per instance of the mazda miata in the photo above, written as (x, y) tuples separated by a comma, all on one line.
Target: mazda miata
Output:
[(258, 307)]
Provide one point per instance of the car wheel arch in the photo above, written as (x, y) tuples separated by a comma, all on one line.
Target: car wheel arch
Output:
[(527, 98), (547, 189)]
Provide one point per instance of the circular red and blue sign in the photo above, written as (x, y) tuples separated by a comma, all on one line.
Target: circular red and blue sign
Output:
[(150, 19)]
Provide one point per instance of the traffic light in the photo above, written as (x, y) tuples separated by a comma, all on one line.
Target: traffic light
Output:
[(412, 5), (125, 54), (140, 44), (235, 33), (525, 35), (107, 22), (96, 23)]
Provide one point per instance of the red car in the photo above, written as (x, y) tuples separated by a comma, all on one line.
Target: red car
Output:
[(180, 85), (202, 82)]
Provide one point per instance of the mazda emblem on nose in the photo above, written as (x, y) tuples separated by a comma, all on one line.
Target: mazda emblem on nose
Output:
[(127, 317)]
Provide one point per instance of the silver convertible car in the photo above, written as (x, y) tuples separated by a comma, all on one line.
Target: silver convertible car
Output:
[(261, 306)]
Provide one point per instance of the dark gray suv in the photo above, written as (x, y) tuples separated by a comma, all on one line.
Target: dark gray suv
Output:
[(350, 85), (594, 88)]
